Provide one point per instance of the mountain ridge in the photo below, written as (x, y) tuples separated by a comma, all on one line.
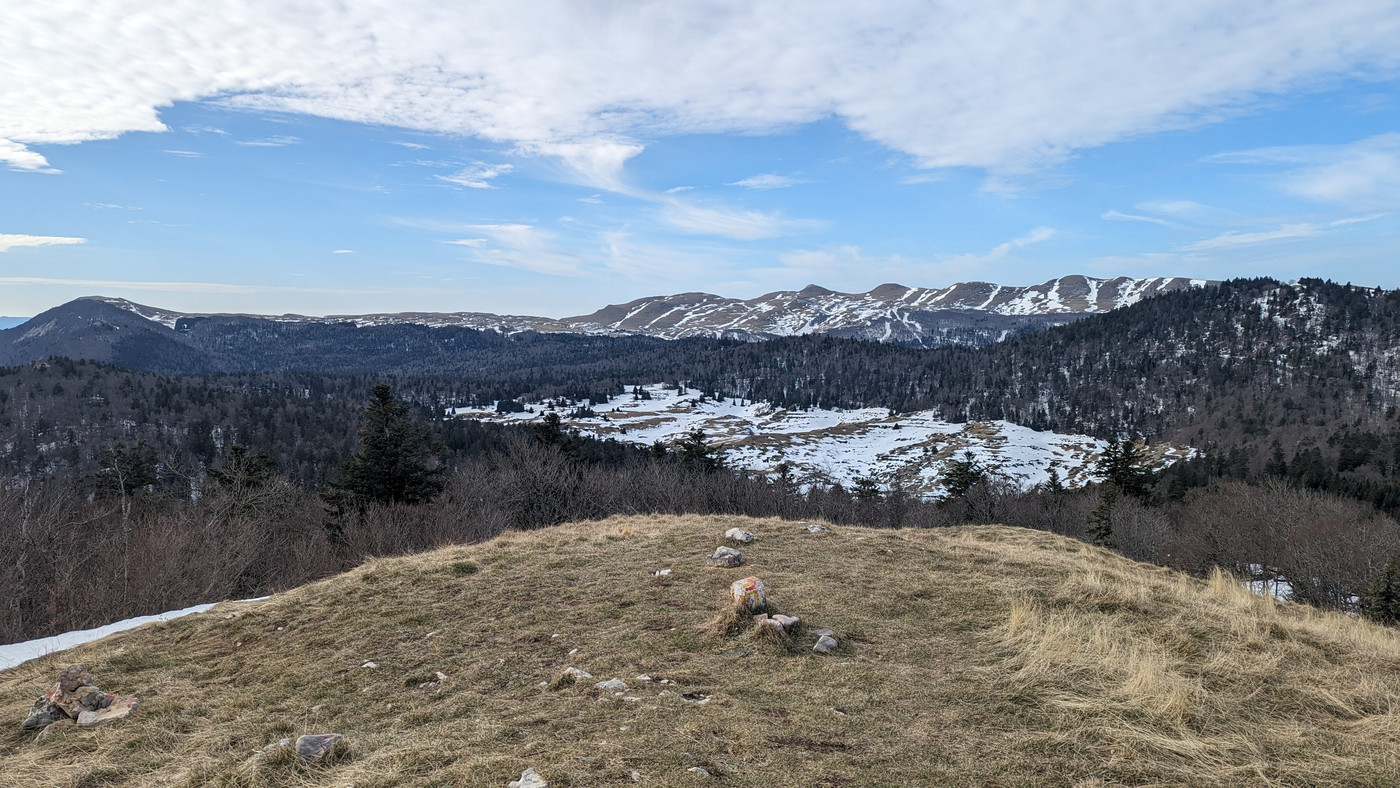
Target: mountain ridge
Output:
[(965, 313)]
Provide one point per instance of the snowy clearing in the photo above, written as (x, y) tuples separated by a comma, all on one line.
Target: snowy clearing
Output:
[(835, 445)]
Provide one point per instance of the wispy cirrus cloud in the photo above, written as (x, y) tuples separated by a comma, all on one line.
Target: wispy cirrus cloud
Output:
[(1286, 232), (11, 241), (177, 287), (270, 142), (768, 181), (1119, 216), (739, 224), (1362, 174), (477, 175), (524, 247)]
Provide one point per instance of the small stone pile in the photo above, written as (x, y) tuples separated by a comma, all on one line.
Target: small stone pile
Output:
[(75, 697)]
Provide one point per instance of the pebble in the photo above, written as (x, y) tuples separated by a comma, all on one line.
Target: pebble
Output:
[(370, 665), (662, 572), (815, 529), (611, 684), (636, 776), (577, 673), (739, 535), (698, 771), (643, 677), (825, 644)]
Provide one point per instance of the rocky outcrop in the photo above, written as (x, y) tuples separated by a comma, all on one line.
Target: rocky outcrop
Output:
[(74, 696)]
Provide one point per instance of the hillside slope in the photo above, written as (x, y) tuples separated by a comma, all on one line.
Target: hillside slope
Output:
[(979, 655)]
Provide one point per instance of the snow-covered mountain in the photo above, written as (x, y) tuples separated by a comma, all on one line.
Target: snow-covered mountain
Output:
[(970, 313), (908, 449)]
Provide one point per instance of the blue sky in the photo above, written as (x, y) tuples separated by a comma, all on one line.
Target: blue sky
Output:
[(371, 157)]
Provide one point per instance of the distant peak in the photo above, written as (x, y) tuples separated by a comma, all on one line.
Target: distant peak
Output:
[(814, 290)]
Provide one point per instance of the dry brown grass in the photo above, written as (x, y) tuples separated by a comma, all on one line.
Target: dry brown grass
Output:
[(969, 656)]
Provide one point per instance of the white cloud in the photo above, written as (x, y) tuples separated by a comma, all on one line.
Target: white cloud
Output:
[(8, 242), (1119, 216), (678, 189), (1287, 232), (343, 251), (1364, 174), (592, 199), (411, 145), (524, 247), (1007, 86), (18, 157), (743, 225), (1035, 236), (478, 175), (186, 154), (767, 181), (173, 287), (270, 142)]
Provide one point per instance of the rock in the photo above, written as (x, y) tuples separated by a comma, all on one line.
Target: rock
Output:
[(636, 776), (825, 644), (739, 535), (577, 673), (74, 696), (698, 771), (662, 572), (815, 529), (611, 684), (749, 592), (643, 677), (370, 665), (115, 709), (44, 714), (529, 779), (786, 622), (767, 623), (725, 557), (315, 746)]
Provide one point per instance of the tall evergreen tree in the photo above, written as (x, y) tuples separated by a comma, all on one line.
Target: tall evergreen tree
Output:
[(393, 464), (1381, 602)]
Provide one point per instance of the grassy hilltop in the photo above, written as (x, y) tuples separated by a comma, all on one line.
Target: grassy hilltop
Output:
[(968, 656)]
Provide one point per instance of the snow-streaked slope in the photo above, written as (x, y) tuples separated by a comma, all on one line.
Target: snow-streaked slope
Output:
[(18, 653), (970, 313), (911, 449)]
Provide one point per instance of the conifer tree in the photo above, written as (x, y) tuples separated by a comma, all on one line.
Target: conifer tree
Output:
[(1381, 602), (1100, 530), (393, 462)]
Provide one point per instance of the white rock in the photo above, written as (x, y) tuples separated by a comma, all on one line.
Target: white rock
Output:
[(738, 535), (370, 665), (787, 622), (529, 779), (698, 771), (578, 674), (643, 677), (611, 684), (815, 529), (825, 644), (636, 776), (662, 572), (725, 557)]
